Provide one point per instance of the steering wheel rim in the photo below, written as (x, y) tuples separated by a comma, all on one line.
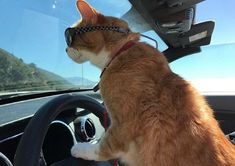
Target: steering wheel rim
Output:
[(29, 147)]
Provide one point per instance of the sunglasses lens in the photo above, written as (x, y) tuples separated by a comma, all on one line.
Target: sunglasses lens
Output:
[(68, 36)]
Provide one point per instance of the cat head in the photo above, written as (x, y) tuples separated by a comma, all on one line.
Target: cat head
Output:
[(95, 37)]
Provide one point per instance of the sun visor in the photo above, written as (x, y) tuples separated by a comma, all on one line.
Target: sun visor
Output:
[(199, 35)]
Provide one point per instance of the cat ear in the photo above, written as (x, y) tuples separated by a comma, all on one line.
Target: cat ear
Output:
[(87, 12)]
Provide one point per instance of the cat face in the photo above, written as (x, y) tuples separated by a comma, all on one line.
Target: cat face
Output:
[(95, 46)]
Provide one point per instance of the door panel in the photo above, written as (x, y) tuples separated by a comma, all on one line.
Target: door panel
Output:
[(224, 110)]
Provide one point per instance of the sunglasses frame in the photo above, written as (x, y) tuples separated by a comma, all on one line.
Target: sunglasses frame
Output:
[(71, 32)]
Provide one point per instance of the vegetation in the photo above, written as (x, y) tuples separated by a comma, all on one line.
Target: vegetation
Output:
[(15, 75)]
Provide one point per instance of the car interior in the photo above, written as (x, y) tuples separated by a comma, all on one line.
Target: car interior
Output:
[(39, 129)]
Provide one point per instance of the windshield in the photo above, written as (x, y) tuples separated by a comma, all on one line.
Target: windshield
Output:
[(32, 45), (212, 71)]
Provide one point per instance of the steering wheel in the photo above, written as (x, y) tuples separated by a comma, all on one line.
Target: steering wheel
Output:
[(28, 152)]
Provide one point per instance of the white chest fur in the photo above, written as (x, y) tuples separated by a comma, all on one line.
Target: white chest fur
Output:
[(99, 60)]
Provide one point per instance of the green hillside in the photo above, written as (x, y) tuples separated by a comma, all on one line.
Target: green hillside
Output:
[(17, 75)]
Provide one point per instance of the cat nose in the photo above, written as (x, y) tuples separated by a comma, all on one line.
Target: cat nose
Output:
[(66, 49)]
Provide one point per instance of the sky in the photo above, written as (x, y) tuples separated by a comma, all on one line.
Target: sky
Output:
[(34, 31)]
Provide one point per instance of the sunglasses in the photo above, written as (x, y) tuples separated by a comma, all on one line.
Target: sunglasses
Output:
[(70, 33)]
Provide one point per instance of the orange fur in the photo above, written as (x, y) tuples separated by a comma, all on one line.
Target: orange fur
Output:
[(158, 118)]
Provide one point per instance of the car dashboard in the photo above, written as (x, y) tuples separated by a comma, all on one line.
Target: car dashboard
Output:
[(63, 132), (66, 129)]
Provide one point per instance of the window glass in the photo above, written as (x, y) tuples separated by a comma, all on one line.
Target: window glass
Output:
[(213, 69)]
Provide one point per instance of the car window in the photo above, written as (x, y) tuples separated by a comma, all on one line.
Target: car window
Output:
[(32, 45), (212, 71), (33, 57)]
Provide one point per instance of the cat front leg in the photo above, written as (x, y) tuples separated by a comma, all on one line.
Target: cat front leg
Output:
[(108, 148), (86, 151), (90, 151)]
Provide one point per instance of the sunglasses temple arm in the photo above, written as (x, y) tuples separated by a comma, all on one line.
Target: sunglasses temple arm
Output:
[(150, 39)]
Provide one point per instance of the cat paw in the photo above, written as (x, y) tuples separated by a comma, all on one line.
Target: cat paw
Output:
[(86, 151)]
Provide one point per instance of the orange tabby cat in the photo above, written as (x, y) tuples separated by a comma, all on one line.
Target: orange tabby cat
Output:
[(158, 119)]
